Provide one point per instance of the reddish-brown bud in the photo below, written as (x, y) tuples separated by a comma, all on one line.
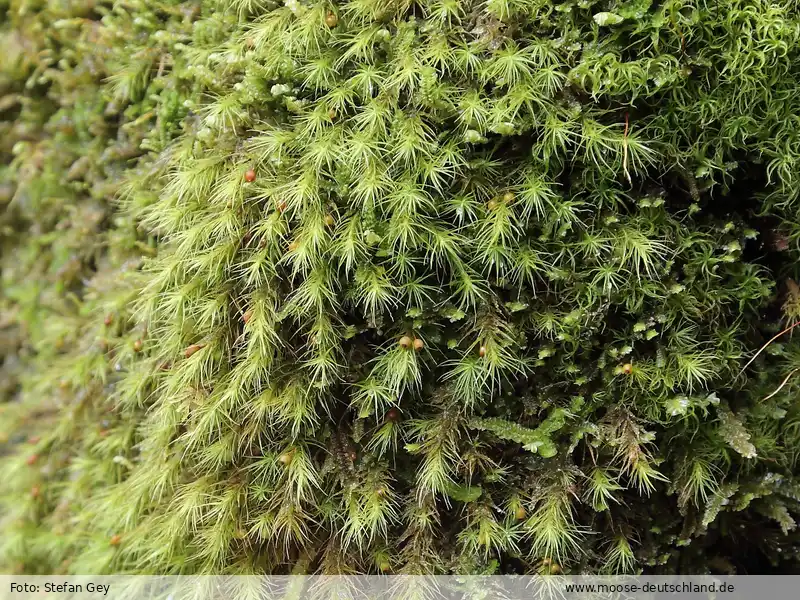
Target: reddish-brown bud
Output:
[(192, 349)]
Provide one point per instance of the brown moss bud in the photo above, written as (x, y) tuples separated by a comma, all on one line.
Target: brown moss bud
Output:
[(192, 349)]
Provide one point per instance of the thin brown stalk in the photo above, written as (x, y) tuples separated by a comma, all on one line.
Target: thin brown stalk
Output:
[(783, 383), (764, 347), (625, 148)]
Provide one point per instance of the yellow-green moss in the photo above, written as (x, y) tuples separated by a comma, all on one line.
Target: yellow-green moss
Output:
[(399, 287)]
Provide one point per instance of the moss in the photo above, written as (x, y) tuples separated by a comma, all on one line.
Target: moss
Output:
[(394, 287)]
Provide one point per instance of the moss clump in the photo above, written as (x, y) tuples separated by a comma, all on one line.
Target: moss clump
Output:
[(390, 287)]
